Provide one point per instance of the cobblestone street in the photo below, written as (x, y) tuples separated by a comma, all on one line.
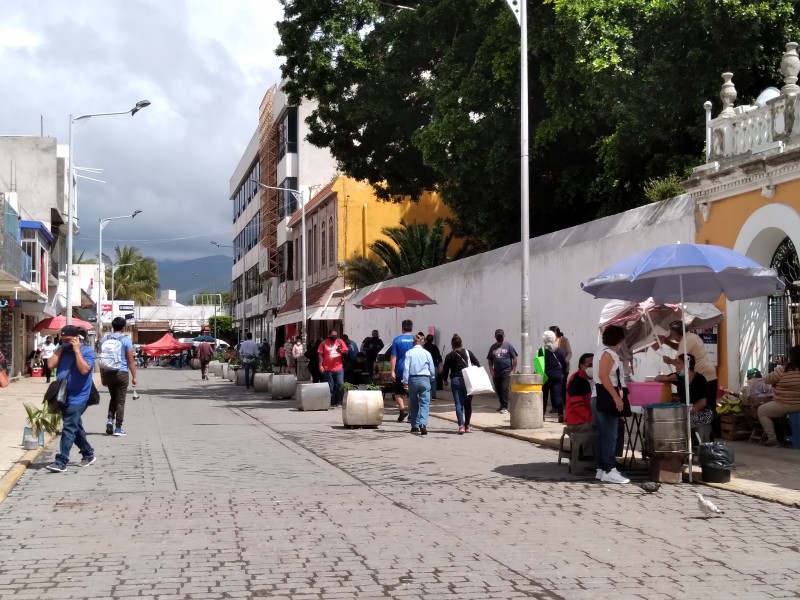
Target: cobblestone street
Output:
[(217, 492)]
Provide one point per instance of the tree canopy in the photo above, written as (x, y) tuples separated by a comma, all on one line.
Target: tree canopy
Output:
[(136, 278), (422, 99)]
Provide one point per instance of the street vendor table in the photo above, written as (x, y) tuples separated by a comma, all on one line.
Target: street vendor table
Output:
[(633, 431)]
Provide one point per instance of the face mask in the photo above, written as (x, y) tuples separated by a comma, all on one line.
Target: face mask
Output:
[(66, 345), (589, 372), (499, 339), (333, 338), (681, 373)]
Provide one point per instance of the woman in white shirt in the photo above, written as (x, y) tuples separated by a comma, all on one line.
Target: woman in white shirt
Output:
[(608, 404), (48, 349)]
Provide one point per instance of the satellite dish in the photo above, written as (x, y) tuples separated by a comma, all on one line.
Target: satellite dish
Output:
[(767, 95)]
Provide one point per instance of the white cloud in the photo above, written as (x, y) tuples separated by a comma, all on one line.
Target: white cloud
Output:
[(204, 65)]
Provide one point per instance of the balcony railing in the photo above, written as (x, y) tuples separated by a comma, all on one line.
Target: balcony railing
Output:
[(13, 259)]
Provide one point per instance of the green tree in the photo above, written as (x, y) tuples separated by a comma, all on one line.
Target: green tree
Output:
[(428, 98), (224, 326), (81, 259), (138, 281), (362, 271)]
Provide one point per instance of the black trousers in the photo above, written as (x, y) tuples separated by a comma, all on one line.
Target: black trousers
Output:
[(117, 382)]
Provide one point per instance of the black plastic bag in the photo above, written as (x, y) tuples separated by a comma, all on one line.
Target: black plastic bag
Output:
[(716, 455)]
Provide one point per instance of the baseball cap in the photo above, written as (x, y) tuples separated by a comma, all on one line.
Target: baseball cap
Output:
[(71, 331), (499, 332), (676, 326), (753, 373)]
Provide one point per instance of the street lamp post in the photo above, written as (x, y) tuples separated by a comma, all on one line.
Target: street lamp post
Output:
[(525, 386), (100, 274), (72, 191), (216, 295), (299, 196)]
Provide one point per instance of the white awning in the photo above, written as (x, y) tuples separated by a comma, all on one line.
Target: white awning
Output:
[(329, 313), (295, 316)]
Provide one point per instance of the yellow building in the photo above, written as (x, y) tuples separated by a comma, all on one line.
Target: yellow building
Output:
[(748, 199), (342, 220)]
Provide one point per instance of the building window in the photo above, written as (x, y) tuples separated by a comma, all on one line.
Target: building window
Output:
[(331, 242), (287, 133), (323, 247), (314, 254), (287, 203)]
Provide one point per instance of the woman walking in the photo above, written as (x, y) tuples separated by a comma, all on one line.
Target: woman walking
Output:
[(454, 363), (609, 404), (555, 365), (419, 374)]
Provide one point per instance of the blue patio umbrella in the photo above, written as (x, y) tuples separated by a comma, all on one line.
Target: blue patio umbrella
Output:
[(684, 273), (204, 338)]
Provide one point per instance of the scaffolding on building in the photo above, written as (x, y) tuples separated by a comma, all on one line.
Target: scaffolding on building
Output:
[(268, 263)]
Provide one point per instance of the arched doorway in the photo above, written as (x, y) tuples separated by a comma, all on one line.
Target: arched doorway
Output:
[(784, 310)]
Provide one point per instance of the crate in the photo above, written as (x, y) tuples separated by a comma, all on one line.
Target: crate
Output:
[(734, 427)]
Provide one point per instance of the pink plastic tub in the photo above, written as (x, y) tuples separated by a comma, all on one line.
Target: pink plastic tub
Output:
[(643, 393)]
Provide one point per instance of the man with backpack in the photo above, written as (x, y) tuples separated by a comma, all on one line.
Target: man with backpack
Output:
[(117, 369)]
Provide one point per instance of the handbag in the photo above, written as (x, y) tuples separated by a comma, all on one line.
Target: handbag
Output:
[(56, 396), (3, 379), (94, 396), (539, 365), (476, 379), (605, 403)]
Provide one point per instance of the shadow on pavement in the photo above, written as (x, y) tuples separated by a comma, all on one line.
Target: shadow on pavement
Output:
[(548, 471)]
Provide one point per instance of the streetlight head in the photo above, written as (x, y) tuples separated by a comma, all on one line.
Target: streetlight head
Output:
[(139, 106), (136, 212)]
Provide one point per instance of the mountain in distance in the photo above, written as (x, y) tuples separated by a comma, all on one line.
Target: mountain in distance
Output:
[(212, 272)]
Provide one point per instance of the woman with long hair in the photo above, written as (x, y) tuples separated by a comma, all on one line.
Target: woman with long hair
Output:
[(555, 367), (609, 404), (785, 382), (454, 363)]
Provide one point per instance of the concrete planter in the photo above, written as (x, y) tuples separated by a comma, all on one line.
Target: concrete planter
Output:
[(240, 377), (313, 396), (195, 364), (262, 382), (283, 386), (232, 374), (362, 408), (223, 371), (211, 366)]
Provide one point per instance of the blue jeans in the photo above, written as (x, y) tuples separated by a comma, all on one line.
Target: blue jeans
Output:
[(419, 399), (335, 380), (605, 448), (249, 372), (72, 432), (462, 401)]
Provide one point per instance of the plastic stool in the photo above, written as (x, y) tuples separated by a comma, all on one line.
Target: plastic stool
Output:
[(581, 450), (794, 437)]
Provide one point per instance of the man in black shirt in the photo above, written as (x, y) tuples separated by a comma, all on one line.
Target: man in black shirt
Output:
[(370, 347)]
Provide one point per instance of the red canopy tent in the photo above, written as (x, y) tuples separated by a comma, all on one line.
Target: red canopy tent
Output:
[(165, 346)]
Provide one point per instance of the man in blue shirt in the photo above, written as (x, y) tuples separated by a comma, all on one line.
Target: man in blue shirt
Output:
[(401, 344), (118, 369), (73, 361), (419, 372)]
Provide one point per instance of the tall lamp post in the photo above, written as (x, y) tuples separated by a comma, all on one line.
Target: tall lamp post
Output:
[(72, 192), (100, 274), (299, 196), (525, 386)]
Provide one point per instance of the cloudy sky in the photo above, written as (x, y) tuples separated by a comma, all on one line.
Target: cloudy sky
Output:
[(204, 65)]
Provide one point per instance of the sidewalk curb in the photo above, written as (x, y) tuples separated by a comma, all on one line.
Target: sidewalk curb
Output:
[(10, 479), (520, 435)]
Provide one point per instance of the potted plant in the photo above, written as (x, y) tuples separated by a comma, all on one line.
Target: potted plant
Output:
[(40, 421), (362, 406)]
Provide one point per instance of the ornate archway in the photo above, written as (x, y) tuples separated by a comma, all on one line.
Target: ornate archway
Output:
[(784, 310)]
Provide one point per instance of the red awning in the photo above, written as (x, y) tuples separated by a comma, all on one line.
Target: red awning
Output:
[(165, 346)]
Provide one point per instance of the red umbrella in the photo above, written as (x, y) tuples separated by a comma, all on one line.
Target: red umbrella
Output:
[(395, 297), (57, 323)]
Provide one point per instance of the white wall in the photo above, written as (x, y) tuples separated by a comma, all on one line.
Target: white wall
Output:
[(482, 293)]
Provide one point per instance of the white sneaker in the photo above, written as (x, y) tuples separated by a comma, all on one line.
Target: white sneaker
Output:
[(599, 475), (614, 476)]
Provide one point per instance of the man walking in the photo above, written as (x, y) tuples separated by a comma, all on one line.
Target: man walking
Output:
[(48, 349), (74, 361), (117, 370), (370, 347), (419, 373), (331, 365), (502, 359), (248, 352), (205, 353), (400, 346)]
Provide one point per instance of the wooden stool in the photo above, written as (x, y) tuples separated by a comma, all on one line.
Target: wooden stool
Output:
[(581, 451)]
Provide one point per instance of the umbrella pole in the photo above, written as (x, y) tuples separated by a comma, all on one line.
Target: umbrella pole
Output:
[(653, 329), (686, 382)]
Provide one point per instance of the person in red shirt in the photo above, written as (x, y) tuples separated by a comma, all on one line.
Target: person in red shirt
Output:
[(578, 413), (331, 365)]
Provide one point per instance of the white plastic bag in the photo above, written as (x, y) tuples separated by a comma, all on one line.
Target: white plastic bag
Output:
[(476, 379)]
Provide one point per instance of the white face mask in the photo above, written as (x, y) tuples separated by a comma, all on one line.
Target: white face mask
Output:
[(589, 372)]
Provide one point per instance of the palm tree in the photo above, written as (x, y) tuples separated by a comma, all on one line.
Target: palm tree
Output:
[(138, 281), (412, 247), (362, 271), (417, 246), (80, 259)]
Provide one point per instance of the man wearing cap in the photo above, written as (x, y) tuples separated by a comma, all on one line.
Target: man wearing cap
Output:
[(502, 359), (371, 346), (73, 361), (693, 344)]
